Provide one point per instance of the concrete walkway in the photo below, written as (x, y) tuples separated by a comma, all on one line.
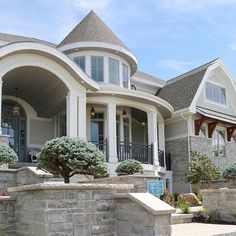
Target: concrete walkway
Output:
[(196, 229)]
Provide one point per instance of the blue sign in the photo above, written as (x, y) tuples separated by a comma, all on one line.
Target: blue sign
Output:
[(155, 187)]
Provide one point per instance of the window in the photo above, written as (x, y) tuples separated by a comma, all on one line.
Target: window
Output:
[(97, 65), (80, 61), (125, 76), (215, 93), (113, 71), (202, 132), (126, 130), (218, 143), (97, 129), (234, 138)]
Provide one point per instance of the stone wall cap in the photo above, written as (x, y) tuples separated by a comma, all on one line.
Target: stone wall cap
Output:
[(218, 190), (149, 202), (7, 198), (7, 170), (63, 186), (36, 171), (127, 176)]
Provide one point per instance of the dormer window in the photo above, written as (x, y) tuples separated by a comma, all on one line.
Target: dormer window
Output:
[(80, 61), (97, 66), (215, 93), (113, 71)]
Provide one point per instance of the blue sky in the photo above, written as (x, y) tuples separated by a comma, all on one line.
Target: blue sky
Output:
[(168, 37)]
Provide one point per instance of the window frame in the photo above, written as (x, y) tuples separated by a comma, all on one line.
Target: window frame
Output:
[(97, 69), (218, 130), (211, 100), (128, 77), (80, 57), (110, 73)]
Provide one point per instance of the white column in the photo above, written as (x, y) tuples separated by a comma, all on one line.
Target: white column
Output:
[(152, 134), (82, 117), (111, 132), (121, 127), (161, 133), (71, 115), (1, 106)]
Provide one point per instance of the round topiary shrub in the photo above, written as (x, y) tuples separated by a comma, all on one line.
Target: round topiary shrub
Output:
[(7, 155), (129, 167), (70, 156), (230, 172)]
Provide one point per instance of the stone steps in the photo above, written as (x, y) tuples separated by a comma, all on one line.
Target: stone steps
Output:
[(181, 218)]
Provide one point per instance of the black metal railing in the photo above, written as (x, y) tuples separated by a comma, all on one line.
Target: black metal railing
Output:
[(139, 152), (168, 161), (102, 145), (161, 157)]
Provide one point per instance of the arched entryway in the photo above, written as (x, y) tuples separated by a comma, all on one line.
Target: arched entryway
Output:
[(15, 127)]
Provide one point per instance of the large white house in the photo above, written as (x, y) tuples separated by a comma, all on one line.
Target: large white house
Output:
[(89, 86)]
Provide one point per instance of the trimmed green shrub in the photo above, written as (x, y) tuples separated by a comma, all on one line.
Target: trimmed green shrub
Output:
[(70, 156), (7, 155), (202, 170), (230, 172), (129, 167)]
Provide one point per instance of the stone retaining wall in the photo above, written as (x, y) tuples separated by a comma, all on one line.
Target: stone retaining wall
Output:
[(7, 216), (222, 202), (56, 209), (7, 179)]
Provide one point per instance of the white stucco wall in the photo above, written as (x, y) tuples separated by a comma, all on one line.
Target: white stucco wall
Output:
[(176, 129)]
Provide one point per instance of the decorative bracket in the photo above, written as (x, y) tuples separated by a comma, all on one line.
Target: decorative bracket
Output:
[(230, 131), (211, 128), (198, 124)]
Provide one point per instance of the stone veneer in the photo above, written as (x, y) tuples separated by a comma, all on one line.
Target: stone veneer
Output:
[(89, 209), (178, 150), (204, 146), (7, 215), (222, 202)]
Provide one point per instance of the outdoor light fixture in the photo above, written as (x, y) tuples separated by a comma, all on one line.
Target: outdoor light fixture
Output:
[(124, 114), (16, 108), (92, 112), (143, 123)]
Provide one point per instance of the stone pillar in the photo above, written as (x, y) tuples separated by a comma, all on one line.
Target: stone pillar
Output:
[(111, 132), (152, 134), (82, 117), (71, 115)]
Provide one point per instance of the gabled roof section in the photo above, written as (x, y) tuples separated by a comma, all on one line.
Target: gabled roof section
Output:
[(92, 28), (11, 38), (180, 91), (149, 77)]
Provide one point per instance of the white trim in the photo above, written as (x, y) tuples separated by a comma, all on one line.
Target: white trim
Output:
[(176, 137), (102, 45), (39, 49), (218, 63)]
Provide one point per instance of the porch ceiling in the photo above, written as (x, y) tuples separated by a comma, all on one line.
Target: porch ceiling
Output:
[(40, 88)]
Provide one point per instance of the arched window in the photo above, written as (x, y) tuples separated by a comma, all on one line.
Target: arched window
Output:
[(218, 143)]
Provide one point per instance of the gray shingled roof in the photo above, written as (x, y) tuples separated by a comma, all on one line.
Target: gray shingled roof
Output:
[(180, 91), (11, 38), (92, 28)]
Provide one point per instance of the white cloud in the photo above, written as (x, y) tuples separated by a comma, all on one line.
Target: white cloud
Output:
[(176, 65)]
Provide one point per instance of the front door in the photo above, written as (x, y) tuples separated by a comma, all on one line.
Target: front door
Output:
[(15, 127)]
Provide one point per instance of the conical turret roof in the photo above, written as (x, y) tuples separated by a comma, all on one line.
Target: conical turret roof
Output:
[(92, 29)]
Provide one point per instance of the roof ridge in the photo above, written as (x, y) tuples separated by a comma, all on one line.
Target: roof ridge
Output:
[(190, 72)]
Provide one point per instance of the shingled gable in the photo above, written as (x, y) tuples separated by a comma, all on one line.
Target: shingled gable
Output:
[(92, 28), (180, 91)]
